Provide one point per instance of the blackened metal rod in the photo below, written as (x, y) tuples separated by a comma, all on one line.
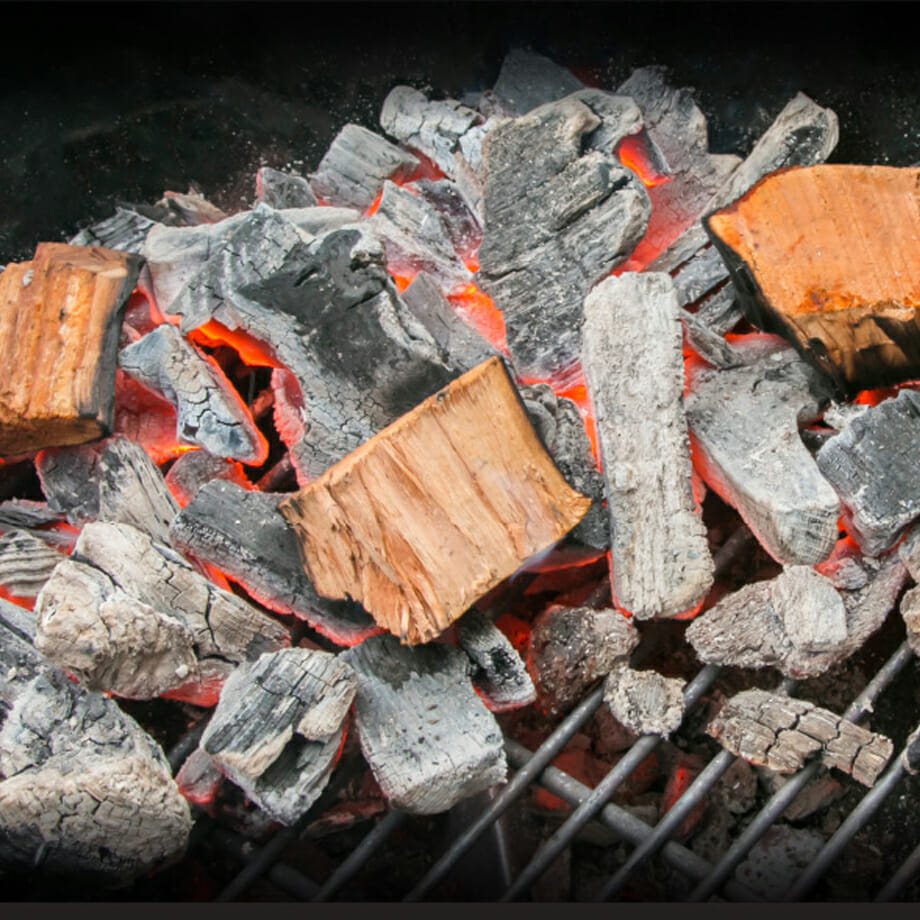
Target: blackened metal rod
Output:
[(898, 882), (515, 787), (545, 856)]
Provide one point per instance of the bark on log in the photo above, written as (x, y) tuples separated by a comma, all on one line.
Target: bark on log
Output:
[(646, 702), (26, 563), (437, 509), (60, 317), (125, 231), (428, 738), (283, 190), (661, 565)]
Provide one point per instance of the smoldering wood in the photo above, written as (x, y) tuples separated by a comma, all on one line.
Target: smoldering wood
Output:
[(125, 230), (428, 738), (556, 221), (527, 80), (572, 647), (60, 317), (783, 733), (280, 189), (113, 480), (211, 413), (700, 275), (499, 673), (462, 225), (719, 311), (908, 550), (352, 171), (434, 511), (244, 535), (810, 607), (709, 345), (620, 118), (646, 702), (633, 364), (191, 208), (559, 424), (279, 725), (27, 515), (198, 779), (744, 425), (26, 563), (196, 468), (872, 466)]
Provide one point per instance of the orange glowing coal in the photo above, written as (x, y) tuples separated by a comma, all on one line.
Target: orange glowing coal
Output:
[(479, 310), (252, 351), (633, 153)]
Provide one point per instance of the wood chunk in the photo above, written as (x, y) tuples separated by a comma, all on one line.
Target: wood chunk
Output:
[(283, 190), (527, 80), (646, 702), (634, 371), (244, 535), (556, 221), (125, 231), (26, 563), (279, 726), (872, 466), (428, 738), (823, 257), (720, 311), (744, 430), (910, 613), (462, 225), (191, 208), (211, 413), (782, 733), (437, 509), (114, 480), (709, 345), (620, 118), (198, 779), (908, 549), (570, 648), (352, 171), (811, 609), (60, 316), (500, 675), (194, 469), (26, 514)]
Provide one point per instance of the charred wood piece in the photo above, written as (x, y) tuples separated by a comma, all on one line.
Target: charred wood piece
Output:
[(700, 275), (719, 311), (462, 225), (646, 702), (125, 231), (709, 345), (527, 80), (194, 469), (811, 609), (910, 613), (908, 549), (26, 563), (198, 779), (192, 208), (283, 190)]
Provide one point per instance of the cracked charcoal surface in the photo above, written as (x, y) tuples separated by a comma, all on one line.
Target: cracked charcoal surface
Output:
[(283, 190), (645, 702), (26, 562)]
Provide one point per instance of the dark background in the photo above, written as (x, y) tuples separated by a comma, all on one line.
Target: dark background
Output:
[(108, 101)]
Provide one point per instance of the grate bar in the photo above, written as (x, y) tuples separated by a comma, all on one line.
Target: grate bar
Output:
[(898, 882)]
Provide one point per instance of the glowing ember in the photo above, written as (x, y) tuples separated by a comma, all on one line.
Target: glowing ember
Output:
[(250, 349), (479, 310), (633, 154)]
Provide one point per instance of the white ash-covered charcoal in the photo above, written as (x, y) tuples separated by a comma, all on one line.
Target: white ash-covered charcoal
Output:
[(198, 779), (26, 563), (211, 413), (811, 609), (720, 310), (561, 428), (556, 220), (191, 208), (872, 465), (908, 549), (634, 370), (712, 347), (280, 189), (125, 230), (646, 702), (620, 118), (499, 673), (279, 726), (744, 425), (783, 733), (910, 613), (572, 647), (113, 480), (700, 275), (244, 535), (462, 225), (527, 80), (25, 514), (352, 171), (19, 661), (416, 239), (194, 468), (428, 738)]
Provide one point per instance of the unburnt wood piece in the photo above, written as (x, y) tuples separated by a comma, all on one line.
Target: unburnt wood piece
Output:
[(462, 225), (60, 316), (211, 413), (283, 190), (646, 702), (872, 466), (196, 468), (744, 429), (279, 725), (428, 738), (527, 80), (244, 535), (352, 171), (572, 647), (782, 733), (556, 220), (125, 230), (113, 480), (811, 609), (26, 563), (499, 673), (437, 509), (824, 256), (559, 424), (633, 364)]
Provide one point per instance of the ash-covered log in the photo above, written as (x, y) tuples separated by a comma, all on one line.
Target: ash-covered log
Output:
[(782, 734), (195, 468), (646, 702), (744, 425), (283, 190), (437, 509), (462, 225), (125, 230), (26, 563), (428, 738), (633, 364), (60, 317), (527, 80), (279, 726)]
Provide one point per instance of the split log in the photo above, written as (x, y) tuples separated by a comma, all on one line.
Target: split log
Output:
[(196, 468), (782, 734), (437, 509), (499, 673), (744, 431), (26, 563), (633, 364), (646, 702), (571, 648), (527, 80), (872, 466), (556, 221), (428, 738), (352, 171), (60, 317), (114, 480), (211, 413), (279, 726), (283, 190), (244, 535), (125, 231)]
